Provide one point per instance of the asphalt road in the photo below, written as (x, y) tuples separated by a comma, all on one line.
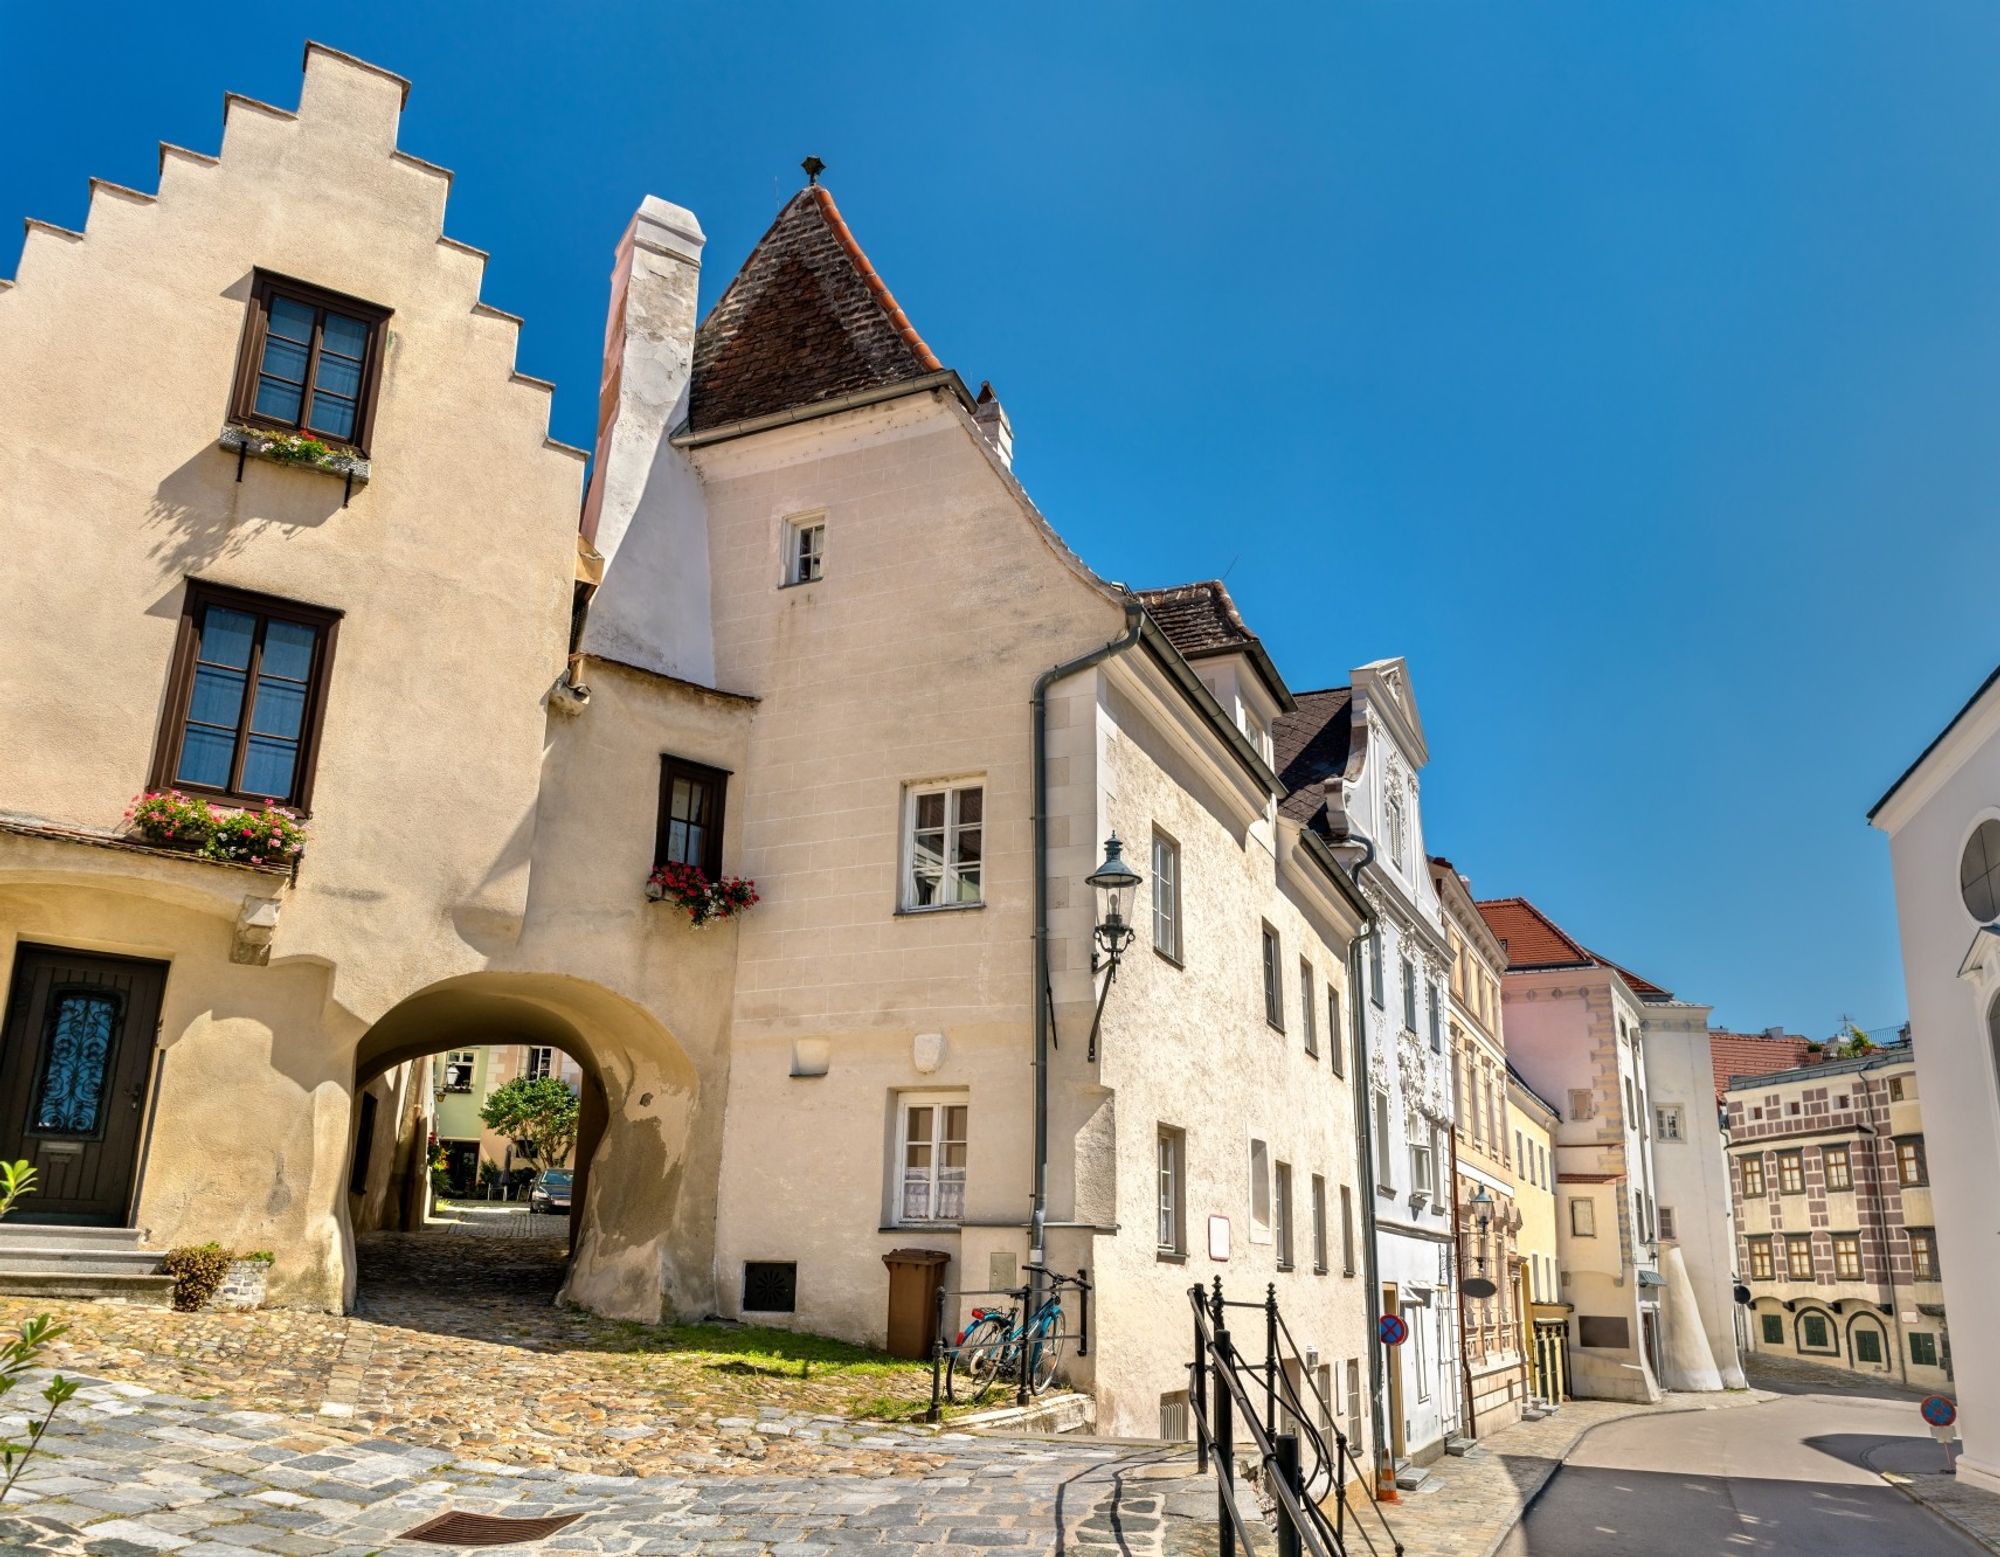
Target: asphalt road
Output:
[(1795, 1475)]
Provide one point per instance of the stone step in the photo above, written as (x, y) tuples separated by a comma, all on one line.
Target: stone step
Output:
[(78, 1261), (154, 1291), (1458, 1444), (56, 1235), (1410, 1477)]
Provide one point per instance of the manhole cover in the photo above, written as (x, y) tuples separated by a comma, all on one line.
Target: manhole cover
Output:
[(486, 1529)]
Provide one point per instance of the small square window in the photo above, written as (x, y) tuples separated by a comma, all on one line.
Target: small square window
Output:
[(1923, 1349), (1774, 1330), (1815, 1335), (310, 361), (770, 1286), (1668, 1121), (805, 550)]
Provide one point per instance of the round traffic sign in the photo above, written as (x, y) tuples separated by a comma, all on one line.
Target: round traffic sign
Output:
[(1939, 1411), (1393, 1330)]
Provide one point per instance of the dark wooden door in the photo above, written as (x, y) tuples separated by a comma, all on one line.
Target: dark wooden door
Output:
[(75, 1057)]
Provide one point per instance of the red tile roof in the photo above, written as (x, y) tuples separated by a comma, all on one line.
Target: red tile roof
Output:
[(1533, 940), (1754, 1054), (806, 320)]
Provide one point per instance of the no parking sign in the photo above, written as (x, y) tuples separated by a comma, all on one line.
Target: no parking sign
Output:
[(1939, 1411), (1392, 1329)]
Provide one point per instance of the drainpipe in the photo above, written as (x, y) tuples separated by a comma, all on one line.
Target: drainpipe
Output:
[(1364, 1116), (1458, 1251), (1135, 617)]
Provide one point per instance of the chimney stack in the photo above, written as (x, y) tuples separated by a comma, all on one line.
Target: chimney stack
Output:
[(644, 511), (993, 424)]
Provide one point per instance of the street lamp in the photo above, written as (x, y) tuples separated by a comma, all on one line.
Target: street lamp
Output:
[(1115, 882), (1482, 1218)]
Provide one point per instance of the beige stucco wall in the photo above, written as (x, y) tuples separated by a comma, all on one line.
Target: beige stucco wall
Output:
[(911, 660), (474, 858)]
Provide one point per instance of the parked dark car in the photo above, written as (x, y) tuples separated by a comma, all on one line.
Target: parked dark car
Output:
[(551, 1190)]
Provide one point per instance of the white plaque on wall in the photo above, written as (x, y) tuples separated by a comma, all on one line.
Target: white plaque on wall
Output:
[(1218, 1238)]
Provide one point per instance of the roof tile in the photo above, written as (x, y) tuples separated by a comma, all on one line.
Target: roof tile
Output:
[(806, 320)]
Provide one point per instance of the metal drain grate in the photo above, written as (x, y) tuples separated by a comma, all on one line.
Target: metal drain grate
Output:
[(486, 1529)]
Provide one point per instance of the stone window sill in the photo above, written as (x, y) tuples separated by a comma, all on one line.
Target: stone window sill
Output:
[(252, 443)]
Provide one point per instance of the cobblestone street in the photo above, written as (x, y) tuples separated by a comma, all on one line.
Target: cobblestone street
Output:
[(459, 1386)]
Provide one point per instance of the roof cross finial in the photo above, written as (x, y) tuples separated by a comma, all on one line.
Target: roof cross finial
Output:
[(814, 167)]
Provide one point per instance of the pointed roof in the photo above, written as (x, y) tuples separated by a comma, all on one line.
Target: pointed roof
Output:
[(1312, 745), (806, 320), (1533, 940)]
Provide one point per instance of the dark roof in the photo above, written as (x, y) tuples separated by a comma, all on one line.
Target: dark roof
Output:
[(806, 320), (1533, 940), (1924, 755), (1311, 745), (1198, 618), (1200, 621)]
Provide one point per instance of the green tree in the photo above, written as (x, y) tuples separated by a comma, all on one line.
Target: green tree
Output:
[(539, 1116), (1857, 1043)]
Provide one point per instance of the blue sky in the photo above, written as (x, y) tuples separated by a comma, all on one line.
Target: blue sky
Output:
[(1634, 370)]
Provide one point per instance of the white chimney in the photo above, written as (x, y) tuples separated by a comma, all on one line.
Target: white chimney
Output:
[(645, 510), (993, 424)]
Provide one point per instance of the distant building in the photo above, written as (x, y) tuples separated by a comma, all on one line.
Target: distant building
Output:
[(462, 1080), (1488, 1155), (1533, 1118), (1831, 1182), (1943, 821), (1574, 1022), (1757, 1054)]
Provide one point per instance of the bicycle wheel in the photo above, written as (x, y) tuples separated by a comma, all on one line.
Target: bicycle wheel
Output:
[(975, 1361), (1047, 1356)]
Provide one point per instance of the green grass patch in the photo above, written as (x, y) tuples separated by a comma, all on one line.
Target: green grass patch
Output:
[(763, 1352)]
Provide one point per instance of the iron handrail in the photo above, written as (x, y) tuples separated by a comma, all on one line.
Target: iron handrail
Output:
[(1302, 1526), (1326, 1476)]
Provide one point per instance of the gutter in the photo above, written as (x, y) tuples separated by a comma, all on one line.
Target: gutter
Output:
[(947, 378), (1135, 622)]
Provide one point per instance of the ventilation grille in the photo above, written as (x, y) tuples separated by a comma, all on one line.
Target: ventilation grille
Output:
[(487, 1529)]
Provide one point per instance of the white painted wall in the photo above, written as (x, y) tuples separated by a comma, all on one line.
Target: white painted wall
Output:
[(1928, 821), (1692, 1178)]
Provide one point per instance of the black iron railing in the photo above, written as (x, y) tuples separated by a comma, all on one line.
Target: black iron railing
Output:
[(1304, 1466)]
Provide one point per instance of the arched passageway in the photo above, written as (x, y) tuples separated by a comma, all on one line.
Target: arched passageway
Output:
[(640, 1230)]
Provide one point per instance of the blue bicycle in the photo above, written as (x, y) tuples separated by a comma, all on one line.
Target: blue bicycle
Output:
[(989, 1350)]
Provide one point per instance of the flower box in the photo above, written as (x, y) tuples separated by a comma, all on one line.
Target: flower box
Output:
[(688, 888), (297, 449)]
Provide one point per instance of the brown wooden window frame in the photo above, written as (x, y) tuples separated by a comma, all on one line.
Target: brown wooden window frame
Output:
[(717, 780), (1923, 1253), (266, 285), (1763, 1262), (1912, 1162), (1750, 1170), (199, 597), (1847, 1256), (1792, 1173)]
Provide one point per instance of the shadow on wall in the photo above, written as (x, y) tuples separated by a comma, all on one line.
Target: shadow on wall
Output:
[(201, 513)]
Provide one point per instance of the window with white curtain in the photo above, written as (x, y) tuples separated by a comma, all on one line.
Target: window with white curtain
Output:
[(944, 845), (931, 1155)]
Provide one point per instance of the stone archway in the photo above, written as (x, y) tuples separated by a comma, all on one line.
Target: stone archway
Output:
[(642, 1217)]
